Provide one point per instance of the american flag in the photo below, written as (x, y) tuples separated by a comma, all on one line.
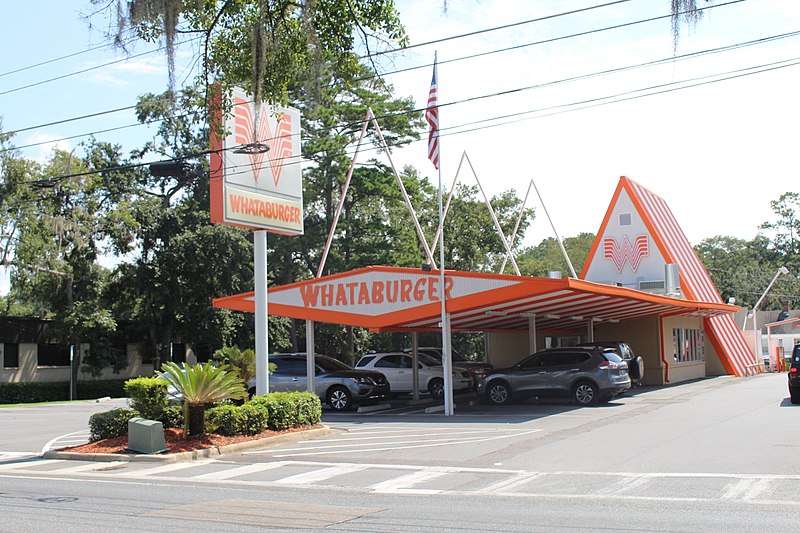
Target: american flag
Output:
[(432, 116)]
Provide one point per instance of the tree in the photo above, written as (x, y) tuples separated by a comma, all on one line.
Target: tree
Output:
[(60, 217), (265, 45), (546, 256), (200, 386)]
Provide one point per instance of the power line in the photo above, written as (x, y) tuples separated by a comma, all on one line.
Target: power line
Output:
[(56, 59), (89, 69), (566, 80), (496, 28)]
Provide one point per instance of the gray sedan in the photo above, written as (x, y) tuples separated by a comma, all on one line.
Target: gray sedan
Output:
[(587, 375)]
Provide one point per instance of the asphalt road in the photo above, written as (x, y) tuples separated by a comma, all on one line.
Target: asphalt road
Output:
[(712, 455)]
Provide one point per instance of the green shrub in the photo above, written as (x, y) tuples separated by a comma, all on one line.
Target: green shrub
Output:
[(110, 424), (225, 420), (232, 419), (290, 409), (148, 396), (255, 419), (36, 391), (171, 417)]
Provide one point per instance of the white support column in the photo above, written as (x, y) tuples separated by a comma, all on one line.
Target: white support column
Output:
[(590, 329), (260, 293), (447, 360), (415, 366), (311, 357), (532, 334)]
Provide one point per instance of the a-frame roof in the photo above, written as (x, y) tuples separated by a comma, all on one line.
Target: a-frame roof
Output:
[(695, 281)]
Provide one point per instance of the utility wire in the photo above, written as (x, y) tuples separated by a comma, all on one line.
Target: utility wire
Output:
[(89, 69), (574, 78), (56, 59), (496, 28)]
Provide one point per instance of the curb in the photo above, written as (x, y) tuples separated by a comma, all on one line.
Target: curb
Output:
[(215, 451)]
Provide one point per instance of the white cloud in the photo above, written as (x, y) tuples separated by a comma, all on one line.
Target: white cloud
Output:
[(44, 151)]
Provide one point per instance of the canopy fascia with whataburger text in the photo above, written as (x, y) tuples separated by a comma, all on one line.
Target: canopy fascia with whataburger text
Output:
[(408, 299)]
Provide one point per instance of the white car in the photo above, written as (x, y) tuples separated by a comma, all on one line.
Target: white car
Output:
[(396, 366)]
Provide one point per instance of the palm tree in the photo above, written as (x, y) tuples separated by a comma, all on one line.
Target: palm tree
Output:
[(200, 386)]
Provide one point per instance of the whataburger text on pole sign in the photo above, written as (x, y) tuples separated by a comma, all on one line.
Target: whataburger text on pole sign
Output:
[(257, 189)]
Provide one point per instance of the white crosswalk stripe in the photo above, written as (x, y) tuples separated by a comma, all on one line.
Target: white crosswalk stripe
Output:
[(427, 479)]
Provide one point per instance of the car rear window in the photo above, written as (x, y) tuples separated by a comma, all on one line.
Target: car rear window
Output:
[(612, 356)]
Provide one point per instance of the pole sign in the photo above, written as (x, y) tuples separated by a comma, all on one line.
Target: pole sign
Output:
[(256, 174)]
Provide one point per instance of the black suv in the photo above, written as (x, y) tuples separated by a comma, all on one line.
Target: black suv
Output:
[(794, 375), (623, 349)]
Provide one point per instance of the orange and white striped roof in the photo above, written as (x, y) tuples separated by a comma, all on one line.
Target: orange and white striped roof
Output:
[(673, 247), (407, 299)]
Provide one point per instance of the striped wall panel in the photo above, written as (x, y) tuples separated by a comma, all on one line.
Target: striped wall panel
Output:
[(695, 281)]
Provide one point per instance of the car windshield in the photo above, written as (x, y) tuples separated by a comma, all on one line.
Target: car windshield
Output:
[(329, 364), (428, 360)]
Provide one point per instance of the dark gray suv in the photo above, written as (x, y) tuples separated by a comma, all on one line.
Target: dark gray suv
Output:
[(337, 384), (587, 375)]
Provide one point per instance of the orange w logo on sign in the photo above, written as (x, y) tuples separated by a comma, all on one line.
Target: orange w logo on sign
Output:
[(632, 253), (280, 145)]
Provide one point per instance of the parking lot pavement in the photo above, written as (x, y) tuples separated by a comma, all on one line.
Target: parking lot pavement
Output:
[(32, 429)]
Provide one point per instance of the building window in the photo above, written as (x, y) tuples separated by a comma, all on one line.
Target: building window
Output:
[(624, 219), (53, 355), (10, 354), (688, 345)]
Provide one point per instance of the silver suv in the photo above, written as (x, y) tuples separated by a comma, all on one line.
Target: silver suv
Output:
[(337, 384), (587, 375)]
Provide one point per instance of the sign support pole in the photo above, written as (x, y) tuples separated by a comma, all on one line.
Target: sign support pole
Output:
[(262, 343)]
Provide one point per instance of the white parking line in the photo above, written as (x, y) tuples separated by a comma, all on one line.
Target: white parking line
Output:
[(361, 449), (49, 444)]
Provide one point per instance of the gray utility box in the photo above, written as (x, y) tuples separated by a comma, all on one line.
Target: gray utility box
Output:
[(146, 436)]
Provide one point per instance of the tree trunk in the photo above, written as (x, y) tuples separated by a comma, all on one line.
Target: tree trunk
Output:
[(197, 415)]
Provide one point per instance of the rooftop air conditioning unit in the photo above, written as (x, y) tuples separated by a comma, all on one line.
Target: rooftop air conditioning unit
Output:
[(656, 286)]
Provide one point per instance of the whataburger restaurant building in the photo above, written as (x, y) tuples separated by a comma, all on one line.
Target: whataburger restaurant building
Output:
[(621, 294)]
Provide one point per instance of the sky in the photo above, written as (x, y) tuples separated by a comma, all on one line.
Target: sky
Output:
[(718, 152)]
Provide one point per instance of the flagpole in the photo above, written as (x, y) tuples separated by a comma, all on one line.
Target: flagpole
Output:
[(434, 149)]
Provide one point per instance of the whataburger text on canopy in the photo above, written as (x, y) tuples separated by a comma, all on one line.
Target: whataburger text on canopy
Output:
[(424, 289)]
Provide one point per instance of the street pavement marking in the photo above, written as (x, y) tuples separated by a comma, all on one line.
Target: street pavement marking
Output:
[(626, 484), (169, 467), (511, 483), (241, 471), (429, 444), (316, 476), (24, 463), (91, 467), (47, 446), (407, 481)]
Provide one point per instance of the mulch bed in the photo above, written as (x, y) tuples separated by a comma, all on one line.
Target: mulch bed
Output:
[(176, 443)]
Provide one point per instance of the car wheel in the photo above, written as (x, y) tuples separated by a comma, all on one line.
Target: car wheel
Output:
[(436, 388), (340, 399), (584, 393), (794, 395), (498, 392)]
